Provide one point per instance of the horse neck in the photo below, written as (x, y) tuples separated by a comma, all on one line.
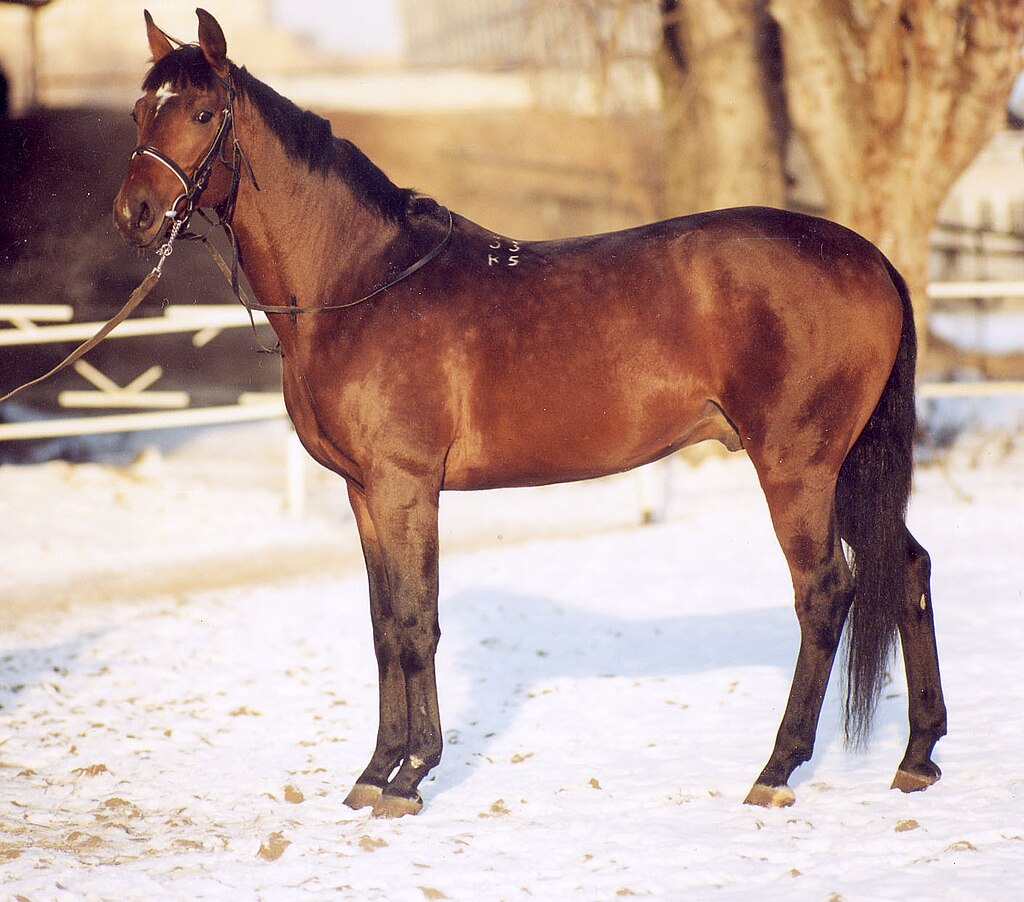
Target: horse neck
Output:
[(304, 235)]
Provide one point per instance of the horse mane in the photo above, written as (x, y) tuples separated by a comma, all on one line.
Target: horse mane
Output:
[(306, 137)]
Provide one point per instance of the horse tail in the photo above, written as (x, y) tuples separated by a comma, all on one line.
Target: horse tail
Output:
[(871, 504)]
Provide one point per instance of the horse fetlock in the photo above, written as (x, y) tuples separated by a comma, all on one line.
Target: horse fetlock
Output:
[(426, 762)]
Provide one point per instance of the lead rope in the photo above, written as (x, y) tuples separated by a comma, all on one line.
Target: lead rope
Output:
[(137, 297)]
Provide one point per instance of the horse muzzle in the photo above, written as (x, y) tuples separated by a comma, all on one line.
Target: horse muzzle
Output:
[(140, 215)]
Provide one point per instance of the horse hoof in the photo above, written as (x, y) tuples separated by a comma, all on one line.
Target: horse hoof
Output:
[(390, 806), (770, 796), (907, 781), (363, 795)]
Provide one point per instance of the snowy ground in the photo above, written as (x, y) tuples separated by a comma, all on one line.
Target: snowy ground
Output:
[(187, 691)]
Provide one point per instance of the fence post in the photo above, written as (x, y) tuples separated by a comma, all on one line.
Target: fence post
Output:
[(295, 476)]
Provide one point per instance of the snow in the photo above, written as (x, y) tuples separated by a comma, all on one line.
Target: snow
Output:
[(188, 691)]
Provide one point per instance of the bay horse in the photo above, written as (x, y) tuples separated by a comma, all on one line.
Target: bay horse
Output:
[(422, 352)]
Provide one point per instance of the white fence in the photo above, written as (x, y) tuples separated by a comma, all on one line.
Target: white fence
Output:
[(150, 408), (155, 409), (982, 293)]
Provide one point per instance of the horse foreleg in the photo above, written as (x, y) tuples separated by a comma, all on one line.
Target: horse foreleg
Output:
[(403, 512), (823, 589), (927, 710), (393, 727)]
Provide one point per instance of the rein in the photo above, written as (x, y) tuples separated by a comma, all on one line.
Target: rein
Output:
[(293, 309)]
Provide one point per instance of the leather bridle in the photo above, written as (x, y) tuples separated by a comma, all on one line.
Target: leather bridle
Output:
[(192, 186)]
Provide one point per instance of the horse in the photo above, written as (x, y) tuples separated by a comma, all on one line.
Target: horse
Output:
[(423, 352)]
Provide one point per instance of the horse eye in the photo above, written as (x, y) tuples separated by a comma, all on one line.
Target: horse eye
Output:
[(203, 116), (135, 117)]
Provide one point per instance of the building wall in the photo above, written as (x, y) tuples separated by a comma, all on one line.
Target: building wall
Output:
[(526, 33), (95, 53)]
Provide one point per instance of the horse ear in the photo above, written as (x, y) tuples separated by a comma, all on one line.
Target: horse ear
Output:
[(159, 46), (213, 43)]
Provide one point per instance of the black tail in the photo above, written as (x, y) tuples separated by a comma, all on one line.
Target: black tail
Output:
[(871, 505)]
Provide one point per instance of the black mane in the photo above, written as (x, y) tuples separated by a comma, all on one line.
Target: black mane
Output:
[(306, 137)]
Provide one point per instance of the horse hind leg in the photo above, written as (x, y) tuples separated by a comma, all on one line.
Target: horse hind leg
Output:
[(823, 589), (926, 708)]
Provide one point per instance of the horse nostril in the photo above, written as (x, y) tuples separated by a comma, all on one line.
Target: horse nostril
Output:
[(145, 217)]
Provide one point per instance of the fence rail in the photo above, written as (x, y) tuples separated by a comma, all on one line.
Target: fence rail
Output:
[(974, 290), (142, 421), (205, 320), (985, 389), (41, 324)]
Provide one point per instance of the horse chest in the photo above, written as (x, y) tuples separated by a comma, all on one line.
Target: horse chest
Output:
[(317, 428)]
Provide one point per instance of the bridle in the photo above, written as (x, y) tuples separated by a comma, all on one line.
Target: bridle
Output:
[(192, 186)]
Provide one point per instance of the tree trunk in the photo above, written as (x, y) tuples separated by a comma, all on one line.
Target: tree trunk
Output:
[(893, 99), (724, 145)]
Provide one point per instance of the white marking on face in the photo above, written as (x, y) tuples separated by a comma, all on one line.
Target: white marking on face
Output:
[(163, 94)]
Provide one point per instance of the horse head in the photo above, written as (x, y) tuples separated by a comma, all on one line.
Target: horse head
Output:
[(184, 118)]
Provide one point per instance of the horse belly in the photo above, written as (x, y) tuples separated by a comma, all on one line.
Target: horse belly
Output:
[(591, 379), (530, 444)]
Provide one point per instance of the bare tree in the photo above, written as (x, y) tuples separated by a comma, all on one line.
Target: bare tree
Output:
[(723, 113), (892, 100), (588, 43)]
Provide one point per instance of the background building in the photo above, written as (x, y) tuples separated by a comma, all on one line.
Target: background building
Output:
[(80, 52)]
